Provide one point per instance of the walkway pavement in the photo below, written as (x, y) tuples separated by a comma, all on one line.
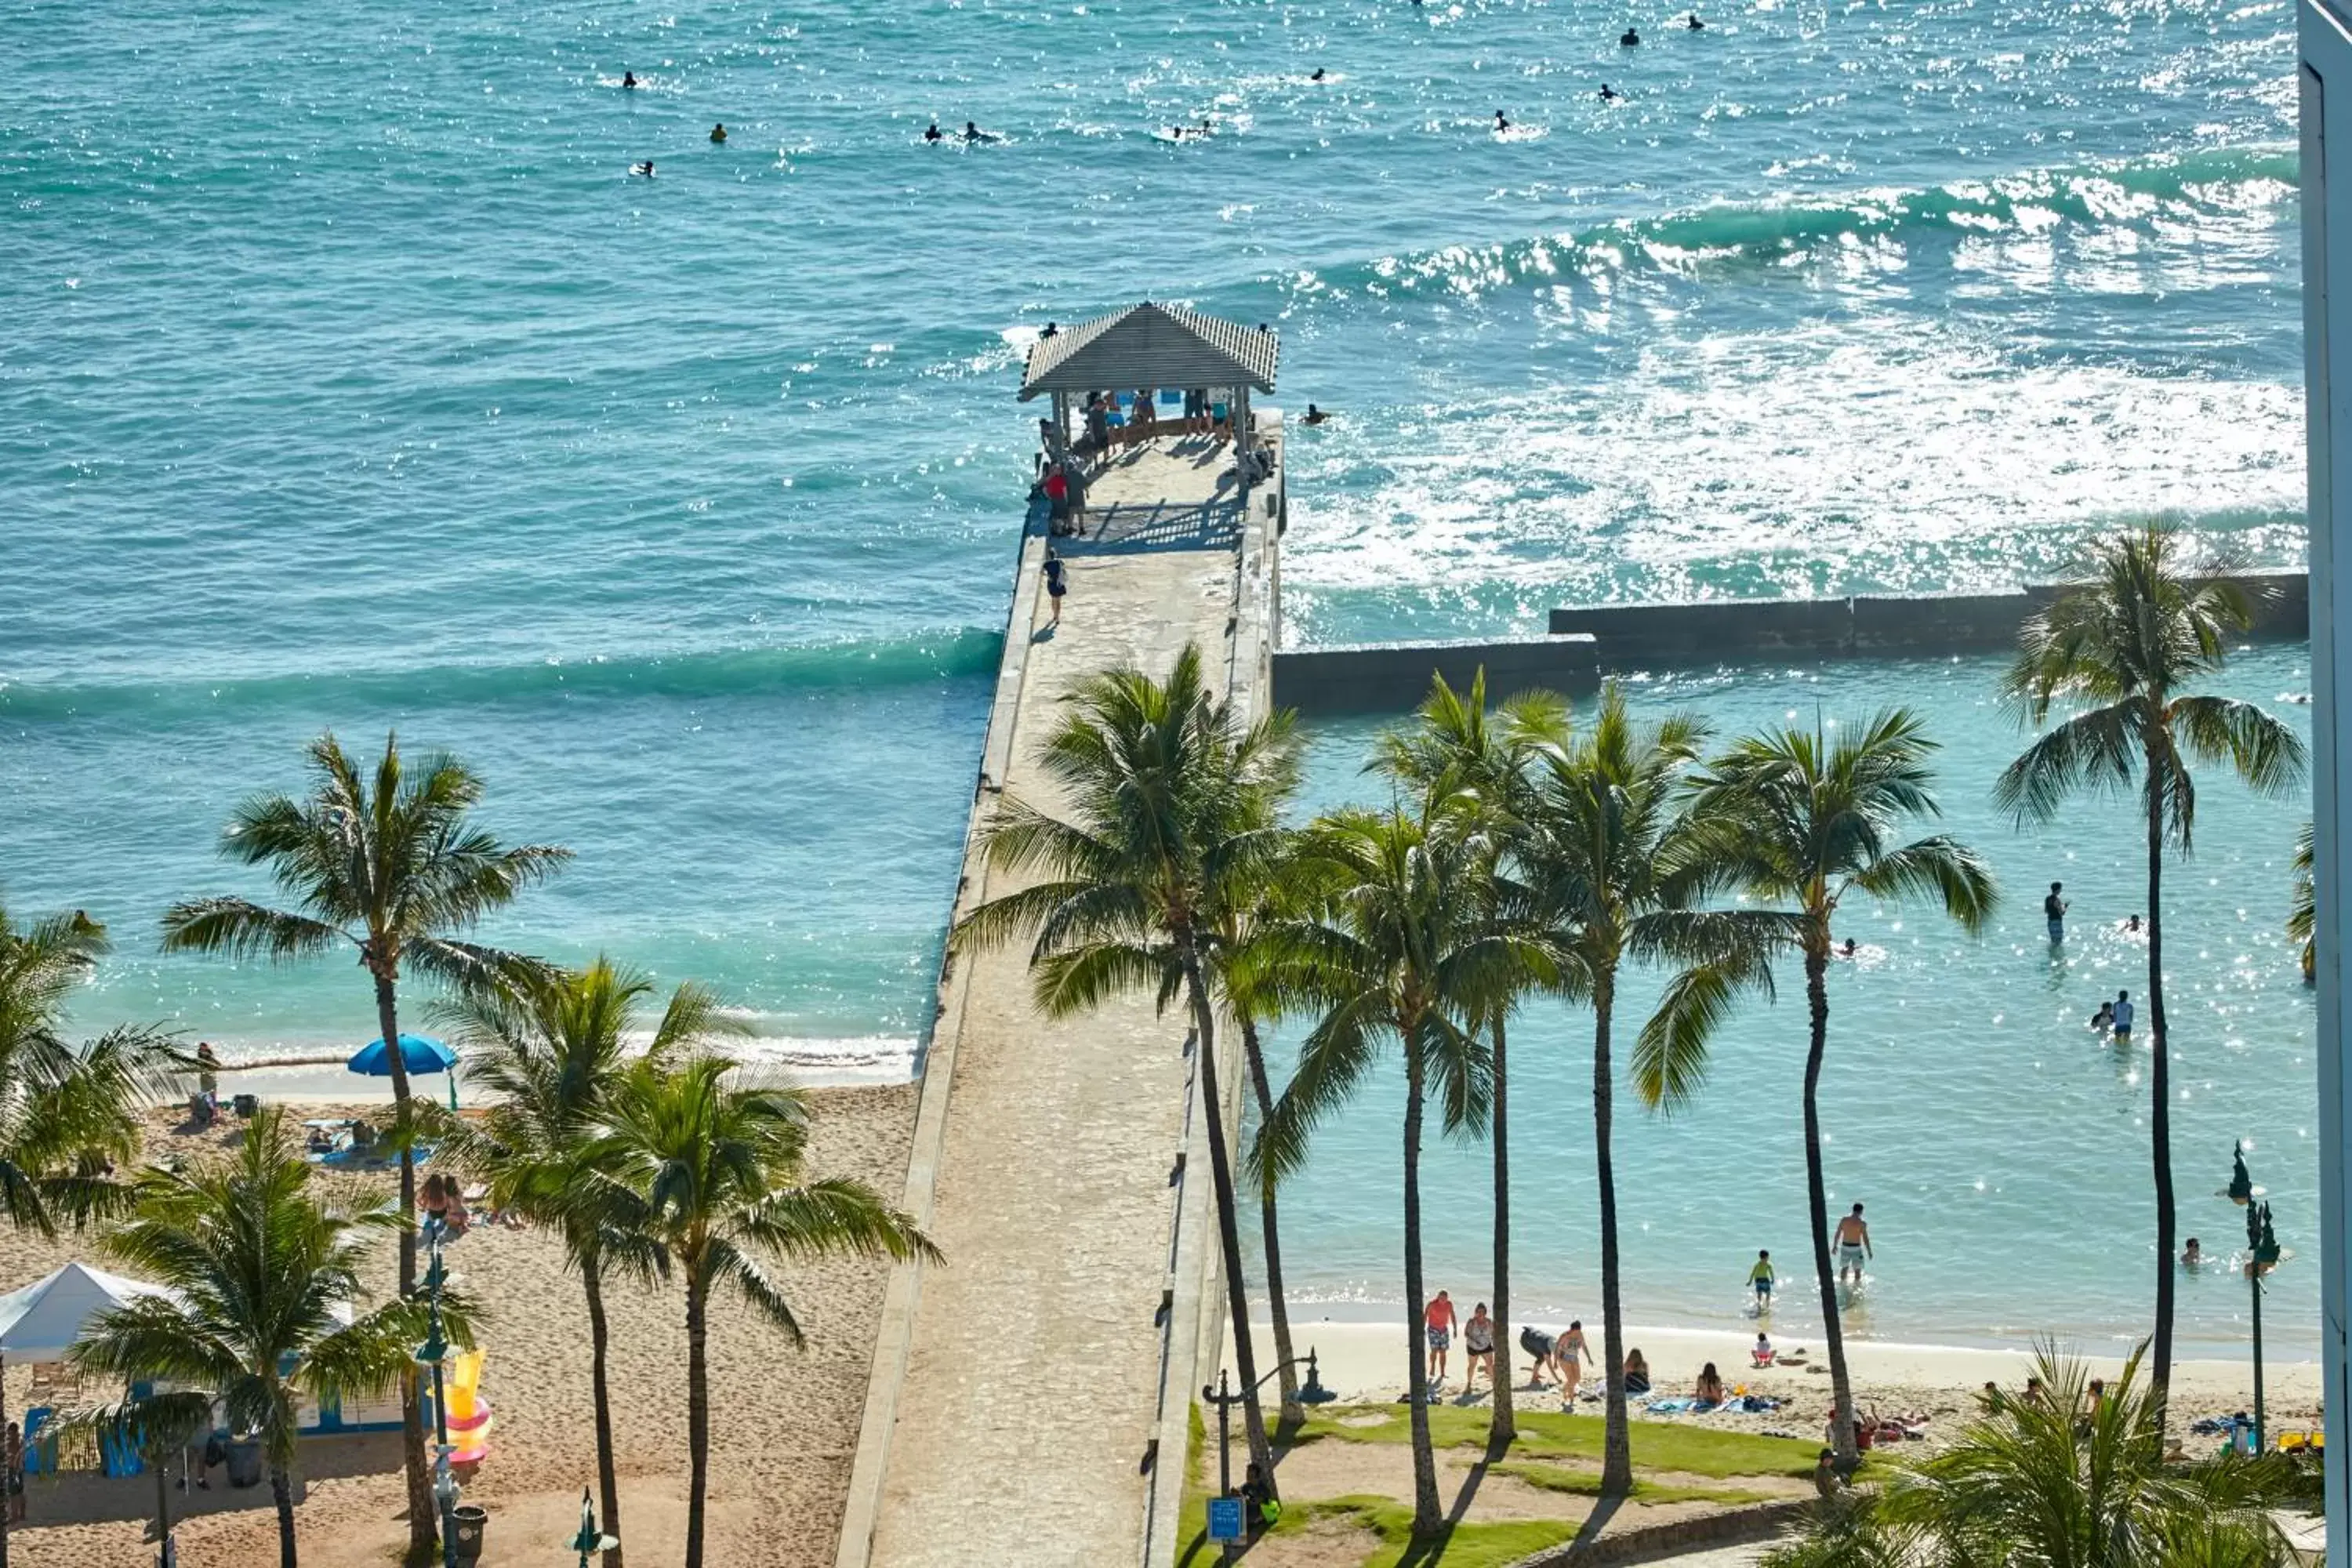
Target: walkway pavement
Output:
[(1046, 1151)]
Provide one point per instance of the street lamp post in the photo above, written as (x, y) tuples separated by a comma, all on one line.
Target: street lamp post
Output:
[(2263, 1255), (590, 1540), (434, 1353), (1314, 1393)]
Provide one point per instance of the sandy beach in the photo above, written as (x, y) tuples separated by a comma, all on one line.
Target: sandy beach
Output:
[(1364, 1362), (783, 1426)]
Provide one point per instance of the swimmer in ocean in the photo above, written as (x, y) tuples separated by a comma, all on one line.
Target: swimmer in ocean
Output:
[(1628, 37), (972, 133), (718, 132), (1314, 416), (934, 133), (646, 168), (1501, 124), (1318, 76), (1695, 25), (1610, 94), (629, 80)]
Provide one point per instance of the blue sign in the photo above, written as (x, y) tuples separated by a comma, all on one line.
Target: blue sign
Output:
[(1225, 1519)]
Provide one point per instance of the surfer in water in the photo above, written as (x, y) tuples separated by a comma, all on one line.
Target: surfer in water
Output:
[(934, 133), (1501, 123), (972, 133), (718, 133), (1314, 416), (1318, 76), (1695, 25), (1610, 94), (629, 80), (1628, 37), (646, 168)]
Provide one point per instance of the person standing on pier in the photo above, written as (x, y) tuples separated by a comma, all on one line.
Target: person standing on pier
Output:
[(1054, 584)]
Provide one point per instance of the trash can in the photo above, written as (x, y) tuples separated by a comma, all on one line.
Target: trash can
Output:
[(244, 1462), (466, 1522)]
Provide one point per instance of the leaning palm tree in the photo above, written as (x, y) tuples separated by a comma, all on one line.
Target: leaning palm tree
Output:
[(66, 1111), (260, 1273), (1791, 818), (391, 868), (1402, 948), (719, 1166), (1169, 842), (2303, 904), (1612, 865), (2143, 623), (1458, 751), (2053, 1482), (550, 1055)]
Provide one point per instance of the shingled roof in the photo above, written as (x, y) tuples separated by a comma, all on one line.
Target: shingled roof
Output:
[(1150, 345)]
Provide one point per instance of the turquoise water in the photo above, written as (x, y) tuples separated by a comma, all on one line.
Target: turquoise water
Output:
[(351, 380), (2000, 1147)]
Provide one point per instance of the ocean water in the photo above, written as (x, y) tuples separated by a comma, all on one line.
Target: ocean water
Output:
[(351, 381), (1999, 1146)]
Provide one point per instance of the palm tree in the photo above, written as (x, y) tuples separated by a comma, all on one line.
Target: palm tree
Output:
[(2051, 1481), (2141, 625), (1402, 948), (259, 1271), (392, 868), (1456, 749), (65, 1112), (1793, 818), (551, 1056), (2303, 904), (717, 1165), (1608, 857), (1169, 845), (1227, 972)]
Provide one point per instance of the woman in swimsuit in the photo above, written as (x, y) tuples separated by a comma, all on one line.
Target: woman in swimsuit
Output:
[(1708, 1390), (1637, 1372), (1478, 1340), (1569, 1356)]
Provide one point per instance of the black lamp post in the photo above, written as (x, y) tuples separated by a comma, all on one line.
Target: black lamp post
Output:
[(590, 1540), (1314, 1393), (433, 1353), (2263, 1255)]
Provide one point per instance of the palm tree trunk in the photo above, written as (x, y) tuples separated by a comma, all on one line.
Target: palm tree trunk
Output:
[(1229, 1230), (608, 1483), (1617, 1444), (422, 1538), (1817, 997), (1505, 1426), (281, 1491), (698, 1412), (2159, 1120), (1426, 1517), (1293, 1413)]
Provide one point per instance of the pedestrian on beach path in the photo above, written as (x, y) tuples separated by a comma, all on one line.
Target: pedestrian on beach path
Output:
[(2053, 909), (1055, 586), (1439, 1323)]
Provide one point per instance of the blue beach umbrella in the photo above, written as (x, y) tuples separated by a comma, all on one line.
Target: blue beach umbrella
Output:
[(418, 1053)]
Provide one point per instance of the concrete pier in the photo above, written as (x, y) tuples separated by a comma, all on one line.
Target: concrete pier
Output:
[(1029, 1396)]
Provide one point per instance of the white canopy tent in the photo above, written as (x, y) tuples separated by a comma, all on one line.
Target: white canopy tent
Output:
[(41, 1322)]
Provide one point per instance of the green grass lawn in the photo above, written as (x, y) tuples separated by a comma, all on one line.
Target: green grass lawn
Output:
[(1543, 1435), (1549, 1435), (1587, 1483)]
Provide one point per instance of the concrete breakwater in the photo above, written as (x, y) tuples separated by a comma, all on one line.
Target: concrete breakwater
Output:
[(1586, 644)]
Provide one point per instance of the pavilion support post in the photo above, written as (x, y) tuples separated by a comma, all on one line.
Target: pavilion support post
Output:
[(1241, 440)]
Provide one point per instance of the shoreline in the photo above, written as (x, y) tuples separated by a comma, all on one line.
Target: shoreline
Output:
[(1364, 1362)]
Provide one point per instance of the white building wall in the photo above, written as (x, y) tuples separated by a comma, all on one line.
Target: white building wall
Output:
[(2326, 28)]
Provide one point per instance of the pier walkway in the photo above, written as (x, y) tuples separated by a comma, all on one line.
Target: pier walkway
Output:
[(1029, 1395)]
